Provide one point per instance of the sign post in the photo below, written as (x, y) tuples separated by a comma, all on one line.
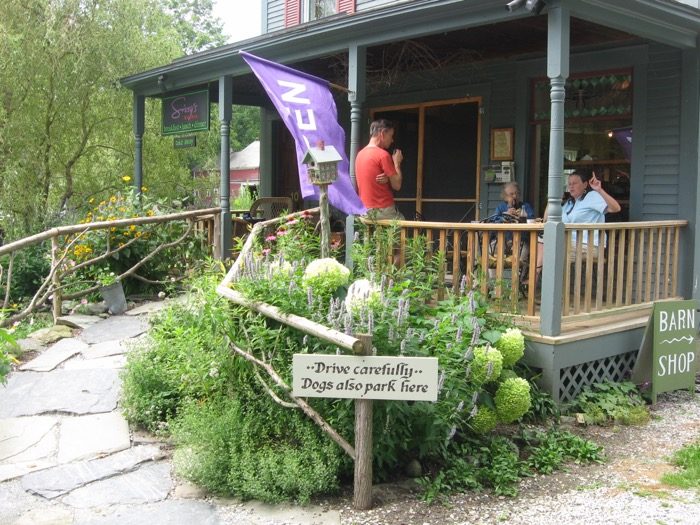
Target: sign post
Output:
[(667, 353), (364, 377)]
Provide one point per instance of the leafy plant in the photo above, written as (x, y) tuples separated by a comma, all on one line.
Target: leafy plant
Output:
[(8, 345), (105, 277), (603, 403)]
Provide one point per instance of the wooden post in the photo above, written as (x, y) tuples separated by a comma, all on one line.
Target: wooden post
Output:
[(55, 281), (325, 221), (362, 494)]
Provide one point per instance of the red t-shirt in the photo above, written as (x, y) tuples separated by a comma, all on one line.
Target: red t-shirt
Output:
[(370, 162)]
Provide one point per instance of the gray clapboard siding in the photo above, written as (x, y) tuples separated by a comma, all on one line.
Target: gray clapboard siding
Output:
[(662, 151)]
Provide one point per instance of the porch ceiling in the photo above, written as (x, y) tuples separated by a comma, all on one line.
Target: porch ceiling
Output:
[(435, 33)]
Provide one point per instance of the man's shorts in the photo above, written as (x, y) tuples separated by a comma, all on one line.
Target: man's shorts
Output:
[(389, 213)]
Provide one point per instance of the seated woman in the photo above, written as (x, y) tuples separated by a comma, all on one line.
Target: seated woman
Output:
[(588, 203), (512, 205)]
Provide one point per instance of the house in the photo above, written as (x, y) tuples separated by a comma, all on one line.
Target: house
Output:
[(528, 90), (244, 167)]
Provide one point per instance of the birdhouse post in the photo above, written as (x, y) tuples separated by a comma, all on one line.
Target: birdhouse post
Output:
[(322, 168)]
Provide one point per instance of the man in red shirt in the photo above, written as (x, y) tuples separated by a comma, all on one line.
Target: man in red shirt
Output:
[(378, 173)]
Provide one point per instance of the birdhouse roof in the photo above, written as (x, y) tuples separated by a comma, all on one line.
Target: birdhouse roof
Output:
[(319, 156)]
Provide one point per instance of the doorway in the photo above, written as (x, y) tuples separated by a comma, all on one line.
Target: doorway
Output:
[(440, 142)]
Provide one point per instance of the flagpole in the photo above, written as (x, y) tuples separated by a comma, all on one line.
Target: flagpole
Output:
[(340, 88)]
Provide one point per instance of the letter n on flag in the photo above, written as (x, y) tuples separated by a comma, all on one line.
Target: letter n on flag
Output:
[(308, 110)]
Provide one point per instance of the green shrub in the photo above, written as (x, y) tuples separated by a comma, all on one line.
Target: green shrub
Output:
[(269, 447), (186, 358), (256, 451), (30, 268)]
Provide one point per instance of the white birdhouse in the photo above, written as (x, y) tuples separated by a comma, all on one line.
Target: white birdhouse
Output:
[(322, 163)]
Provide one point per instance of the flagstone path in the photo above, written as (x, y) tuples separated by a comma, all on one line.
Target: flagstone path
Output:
[(68, 456)]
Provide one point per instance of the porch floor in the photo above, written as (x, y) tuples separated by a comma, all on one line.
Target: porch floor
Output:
[(593, 325)]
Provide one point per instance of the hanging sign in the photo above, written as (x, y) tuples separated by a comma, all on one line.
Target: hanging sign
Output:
[(186, 113), (365, 377), (667, 355), (190, 141)]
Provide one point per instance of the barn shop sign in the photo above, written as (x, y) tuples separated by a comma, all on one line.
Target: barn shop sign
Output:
[(671, 335)]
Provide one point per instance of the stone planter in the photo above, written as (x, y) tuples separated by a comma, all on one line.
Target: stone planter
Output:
[(113, 295)]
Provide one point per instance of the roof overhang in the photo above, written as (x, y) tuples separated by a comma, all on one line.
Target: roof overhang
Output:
[(664, 21)]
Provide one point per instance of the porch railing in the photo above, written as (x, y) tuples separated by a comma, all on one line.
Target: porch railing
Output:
[(634, 264), (619, 265), (492, 257)]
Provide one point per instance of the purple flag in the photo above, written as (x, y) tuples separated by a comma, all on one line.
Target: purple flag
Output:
[(308, 110)]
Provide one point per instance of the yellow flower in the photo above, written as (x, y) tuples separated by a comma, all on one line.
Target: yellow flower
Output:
[(112, 199), (150, 213), (112, 229), (91, 200), (122, 209), (132, 227), (144, 189), (126, 178)]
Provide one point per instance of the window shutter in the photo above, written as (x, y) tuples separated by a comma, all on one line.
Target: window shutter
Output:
[(347, 6), (292, 12)]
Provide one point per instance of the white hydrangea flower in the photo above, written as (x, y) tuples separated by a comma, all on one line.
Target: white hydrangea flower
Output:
[(361, 293), (325, 275)]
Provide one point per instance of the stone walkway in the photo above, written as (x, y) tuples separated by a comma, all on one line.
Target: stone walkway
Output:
[(68, 457)]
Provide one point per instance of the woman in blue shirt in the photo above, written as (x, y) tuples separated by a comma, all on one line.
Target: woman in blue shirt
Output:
[(588, 203)]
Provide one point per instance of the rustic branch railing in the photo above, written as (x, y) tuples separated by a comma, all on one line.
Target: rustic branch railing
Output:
[(52, 289), (622, 265)]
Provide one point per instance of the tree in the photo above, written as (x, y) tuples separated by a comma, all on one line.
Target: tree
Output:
[(65, 123)]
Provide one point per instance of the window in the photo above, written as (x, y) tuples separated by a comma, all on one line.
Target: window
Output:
[(315, 9), (597, 134)]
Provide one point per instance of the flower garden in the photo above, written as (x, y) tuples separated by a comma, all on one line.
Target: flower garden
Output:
[(238, 432)]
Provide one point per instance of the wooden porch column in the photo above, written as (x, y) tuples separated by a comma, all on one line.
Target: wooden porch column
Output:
[(357, 69), (357, 74), (691, 122), (225, 112), (554, 249), (139, 110)]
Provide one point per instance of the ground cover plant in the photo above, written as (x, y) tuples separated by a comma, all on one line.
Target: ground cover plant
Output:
[(237, 431), (611, 403)]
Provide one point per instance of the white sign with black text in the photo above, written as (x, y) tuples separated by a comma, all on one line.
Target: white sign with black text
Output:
[(365, 377)]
